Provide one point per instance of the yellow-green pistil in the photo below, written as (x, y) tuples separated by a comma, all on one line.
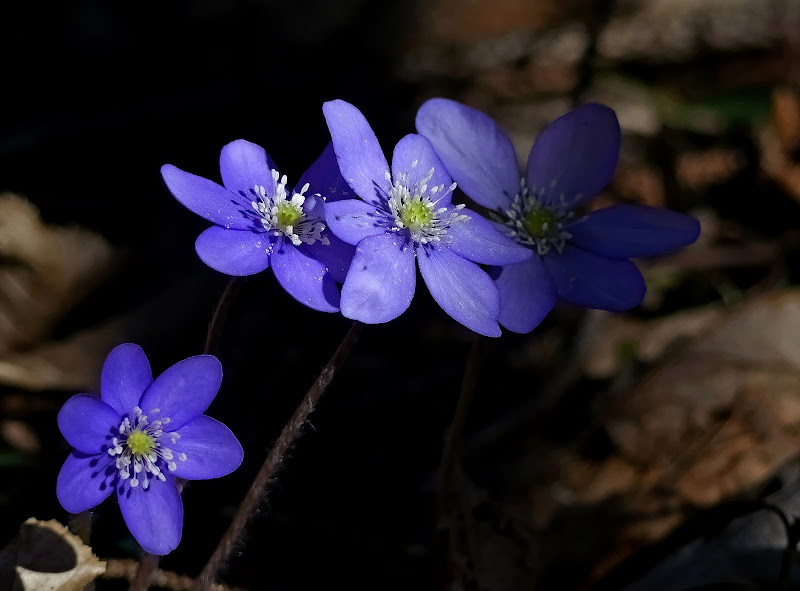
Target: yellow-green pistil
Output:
[(140, 443), (540, 223), (289, 214), (416, 214)]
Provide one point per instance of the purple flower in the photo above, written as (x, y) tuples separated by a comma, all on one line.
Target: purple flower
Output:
[(582, 259), (139, 437), (260, 221), (406, 215)]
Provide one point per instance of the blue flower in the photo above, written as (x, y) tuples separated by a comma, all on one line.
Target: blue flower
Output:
[(407, 214), (260, 222), (139, 437), (582, 259)]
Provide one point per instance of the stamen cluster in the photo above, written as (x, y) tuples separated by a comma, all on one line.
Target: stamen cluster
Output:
[(287, 217), (140, 448), (530, 221)]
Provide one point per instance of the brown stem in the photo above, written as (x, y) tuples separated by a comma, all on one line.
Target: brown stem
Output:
[(289, 434), (147, 566), (221, 313)]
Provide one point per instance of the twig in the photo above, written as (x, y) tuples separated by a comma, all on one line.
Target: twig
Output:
[(288, 435)]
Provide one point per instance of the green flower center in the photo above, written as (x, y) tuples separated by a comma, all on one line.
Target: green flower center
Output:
[(140, 443), (540, 223), (416, 214), (289, 214)]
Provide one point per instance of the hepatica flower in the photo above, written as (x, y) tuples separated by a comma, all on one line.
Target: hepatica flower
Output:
[(260, 221), (407, 214), (139, 437), (584, 259)]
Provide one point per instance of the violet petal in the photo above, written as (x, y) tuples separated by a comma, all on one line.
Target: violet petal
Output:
[(304, 278), (126, 375), (211, 449), (234, 252)]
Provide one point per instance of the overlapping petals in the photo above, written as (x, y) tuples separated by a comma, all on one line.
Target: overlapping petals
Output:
[(117, 436)]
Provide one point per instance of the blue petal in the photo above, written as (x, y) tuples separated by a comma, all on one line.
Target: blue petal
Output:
[(358, 152), (184, 391), (352, 220), (589, 280), (574, 157), (477, 239), (243, 165), (633, 231), (462, 289), (153, 515), (476, 152), (208, 199), (211, 449), (381, 281), (414, 163), (126, 375), (336, 255), (85, 481), (304, 278), (88, 423), (325, 178), (527, 295), (234, 252)]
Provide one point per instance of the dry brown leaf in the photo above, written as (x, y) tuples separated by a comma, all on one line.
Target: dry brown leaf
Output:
[(45, 270), (45, 556)]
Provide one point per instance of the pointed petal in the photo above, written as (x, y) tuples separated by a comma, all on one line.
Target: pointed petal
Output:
[(304, 278), (88, 423), (527, 295), (589, 280), (381, 280), (632, 231), (476, 152), (208, 199), (243, 165), (575, 156), (211, 449), (85, 481), (126, 375), (415, 164), (336, 255), (233, 252), (184, 391), (477, 240), (325, 178), (358, 152), (352, 220), (462, 289), (153, 515)]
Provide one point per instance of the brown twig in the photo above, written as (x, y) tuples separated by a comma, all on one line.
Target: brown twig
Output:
[(291, 431)]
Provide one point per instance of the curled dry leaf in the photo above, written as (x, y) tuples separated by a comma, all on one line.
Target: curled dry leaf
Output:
[(45, 556)]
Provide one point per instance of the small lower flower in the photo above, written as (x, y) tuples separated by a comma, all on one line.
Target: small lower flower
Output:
[(139, 437), (261, 222), (583, 259)]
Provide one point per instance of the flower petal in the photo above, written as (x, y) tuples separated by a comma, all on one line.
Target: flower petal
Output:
[(462, 289), (476, 152), (352, 220), (208, 199), (126, 375), (304, 278), (414, 163), (325, 178), (153, 515), (87, 423), (589, 280), (381, 280), (234, 252), (575, 155), (211, 449), (527, 295), (477, 240), (336, 255), (358, 152), (85, 481), (184, 391), (243, 165), (632, 231)]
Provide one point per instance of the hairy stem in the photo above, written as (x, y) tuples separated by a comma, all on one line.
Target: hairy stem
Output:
[(147, 566), (221, 313), (291, 431)]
